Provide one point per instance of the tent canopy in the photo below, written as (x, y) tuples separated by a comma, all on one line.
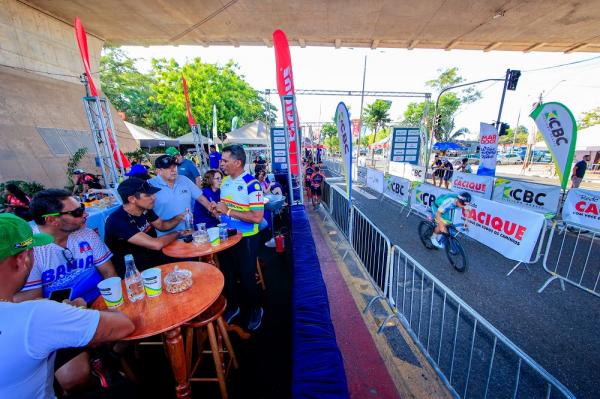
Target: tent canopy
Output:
[(254, 133), (149, 138), (447, 145), (188, 139), (588, 139), (383, 143)]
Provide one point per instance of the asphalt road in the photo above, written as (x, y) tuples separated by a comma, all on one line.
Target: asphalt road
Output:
[(557, 329)]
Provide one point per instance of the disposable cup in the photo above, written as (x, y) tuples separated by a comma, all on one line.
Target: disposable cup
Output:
[(111, 291), (152, 281), (213, 236)]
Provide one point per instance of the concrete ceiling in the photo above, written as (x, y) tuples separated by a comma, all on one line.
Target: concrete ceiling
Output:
[(517, 25)]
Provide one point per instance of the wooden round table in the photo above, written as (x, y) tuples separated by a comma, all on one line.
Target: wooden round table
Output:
[(167, 312), (180, 249)]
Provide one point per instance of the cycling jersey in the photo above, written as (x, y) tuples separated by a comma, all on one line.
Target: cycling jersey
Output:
[(316, 180), (446, 204), (308, 173)]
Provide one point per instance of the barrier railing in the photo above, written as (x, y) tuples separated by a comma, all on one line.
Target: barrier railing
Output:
[(471, 355), (339, 210), (578, 258), (372, 247)]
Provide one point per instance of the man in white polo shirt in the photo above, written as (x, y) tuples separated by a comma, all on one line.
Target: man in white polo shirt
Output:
[(32, 331)]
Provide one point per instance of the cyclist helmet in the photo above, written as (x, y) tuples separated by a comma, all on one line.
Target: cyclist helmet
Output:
[(464, 198), (78, 171)]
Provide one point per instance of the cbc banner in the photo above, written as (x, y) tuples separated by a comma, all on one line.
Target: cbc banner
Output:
[(361, 175), (375, 180), (407, 171), (397, 189), (481, 186), (423, 195), (511, 231), (539, 198), (582, 207)]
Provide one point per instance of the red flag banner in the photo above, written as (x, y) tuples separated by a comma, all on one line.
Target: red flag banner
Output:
[(285, 87), (85, 59), (191, 120)]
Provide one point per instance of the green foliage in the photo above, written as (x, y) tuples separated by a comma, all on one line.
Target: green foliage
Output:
[(155, 99), (521, 136), (589, 118), (377, 115), (29, 188), (138, 155), (373, 138), (449, 104), (328, 130)]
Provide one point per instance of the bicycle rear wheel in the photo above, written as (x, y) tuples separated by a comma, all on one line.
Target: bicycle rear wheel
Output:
[(456, 254), (425, 232)]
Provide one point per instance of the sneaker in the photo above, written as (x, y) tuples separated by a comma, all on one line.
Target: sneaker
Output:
[(435, 242), (231, 313), (255, 319)]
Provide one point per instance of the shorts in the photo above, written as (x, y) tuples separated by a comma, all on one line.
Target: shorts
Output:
[(438, 173), (307, 183), (316, 190), (576, 181), (65, 355), (448, 175)]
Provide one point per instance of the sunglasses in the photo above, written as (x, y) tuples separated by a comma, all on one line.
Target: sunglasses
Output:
[(76, 213)]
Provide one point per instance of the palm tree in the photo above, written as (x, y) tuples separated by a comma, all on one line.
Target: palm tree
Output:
[(446, 132), (376, 116)]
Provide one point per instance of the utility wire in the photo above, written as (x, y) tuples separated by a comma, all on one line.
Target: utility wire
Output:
[(561, 65), (203, 21)]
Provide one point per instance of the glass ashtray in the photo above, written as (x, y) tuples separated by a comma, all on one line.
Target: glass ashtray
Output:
[(178, 280)]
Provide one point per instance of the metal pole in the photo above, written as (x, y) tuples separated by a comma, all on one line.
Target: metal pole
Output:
[(287, 151), (516, 130), (362, 100), (298, 145), (498, 123)]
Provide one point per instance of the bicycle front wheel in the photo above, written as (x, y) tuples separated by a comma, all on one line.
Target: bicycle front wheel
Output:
[(456, 254), (425, 232)]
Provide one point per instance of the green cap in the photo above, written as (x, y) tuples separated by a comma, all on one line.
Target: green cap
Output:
[(16, 236), (172, 151)]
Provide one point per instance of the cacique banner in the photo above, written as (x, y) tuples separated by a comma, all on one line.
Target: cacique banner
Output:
[(539, 198), (511, 231), (481, 186), (423, 195), (375, 180), (582, 207), (397, 189), (558, 126)]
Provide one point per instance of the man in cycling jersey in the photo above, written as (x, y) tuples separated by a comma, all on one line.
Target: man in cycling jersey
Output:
[(316, 181), (308, 172), (443, 208)]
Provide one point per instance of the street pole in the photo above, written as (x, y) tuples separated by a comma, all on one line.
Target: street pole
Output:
[(498, 123), (362, 100)]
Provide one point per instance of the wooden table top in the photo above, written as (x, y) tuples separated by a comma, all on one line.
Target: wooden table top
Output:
[(153, 316), (180, 249)]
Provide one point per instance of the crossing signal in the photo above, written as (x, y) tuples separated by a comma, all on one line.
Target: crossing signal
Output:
[(503, 129), (513, 79), (438, 121)]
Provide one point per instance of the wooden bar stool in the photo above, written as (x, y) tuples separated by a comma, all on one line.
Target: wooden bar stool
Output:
[(217, 337)]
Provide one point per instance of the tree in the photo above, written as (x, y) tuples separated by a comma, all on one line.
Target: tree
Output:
[(589, 118), (374, 137), (449, 104), (521, 136), (377, 115), (208, 84), (127, 89)]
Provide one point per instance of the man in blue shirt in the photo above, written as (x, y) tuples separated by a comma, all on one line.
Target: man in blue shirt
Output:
[(176, 194), (185, 167), (214, 157)]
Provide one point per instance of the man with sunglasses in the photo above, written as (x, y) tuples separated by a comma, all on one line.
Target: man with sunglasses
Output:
[(132, 228)]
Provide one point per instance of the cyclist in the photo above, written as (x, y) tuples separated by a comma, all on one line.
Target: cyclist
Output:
[(442, 209), (316, 182), (308, 172)]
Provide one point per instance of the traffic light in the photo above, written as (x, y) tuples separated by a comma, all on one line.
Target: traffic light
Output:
[(438, 122), (513, 79), (503, 129)]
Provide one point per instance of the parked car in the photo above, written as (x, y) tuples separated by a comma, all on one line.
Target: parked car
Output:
[(508, 159)]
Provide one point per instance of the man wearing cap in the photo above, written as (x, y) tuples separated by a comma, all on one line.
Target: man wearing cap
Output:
[(138, 171), (177, 193), (185, 167), (214, 158), (131, 229), (32, 331)]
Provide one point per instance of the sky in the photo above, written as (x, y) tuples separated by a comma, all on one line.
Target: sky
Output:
[(326, 68)]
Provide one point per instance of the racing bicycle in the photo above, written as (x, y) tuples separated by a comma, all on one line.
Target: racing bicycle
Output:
[(454, 250)]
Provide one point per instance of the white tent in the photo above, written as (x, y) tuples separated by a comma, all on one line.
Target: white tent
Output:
[(149, 138), (588, 139), (254, 133), (187, 139)]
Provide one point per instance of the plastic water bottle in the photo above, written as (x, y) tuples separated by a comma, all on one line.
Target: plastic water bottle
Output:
[(188, 221), (133, 280), (223, 235)]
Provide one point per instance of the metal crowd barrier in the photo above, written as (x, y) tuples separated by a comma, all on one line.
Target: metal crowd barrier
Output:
[(569, 265), (472, 357), (339, 210)]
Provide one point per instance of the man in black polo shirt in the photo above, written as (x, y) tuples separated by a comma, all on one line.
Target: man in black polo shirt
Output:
[(131, 229), (579, 171)]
